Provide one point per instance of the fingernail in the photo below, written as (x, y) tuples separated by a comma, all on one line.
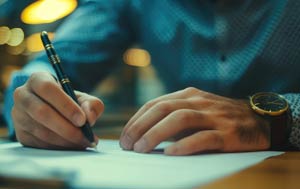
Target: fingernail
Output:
[(78, 119), (140, 146), (126, 142)]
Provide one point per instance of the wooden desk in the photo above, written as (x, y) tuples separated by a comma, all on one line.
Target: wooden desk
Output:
[(275, 173), (3, 132)]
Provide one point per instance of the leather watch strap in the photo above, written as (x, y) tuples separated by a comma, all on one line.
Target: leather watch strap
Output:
[(280, 129)]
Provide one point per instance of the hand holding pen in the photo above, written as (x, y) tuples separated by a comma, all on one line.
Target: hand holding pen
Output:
[(45, 116), (65, 82)]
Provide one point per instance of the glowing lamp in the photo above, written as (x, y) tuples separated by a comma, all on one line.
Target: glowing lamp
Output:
[(137, 57), (47, 11)]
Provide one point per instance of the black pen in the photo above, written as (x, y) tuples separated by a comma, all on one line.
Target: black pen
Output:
[(65, 82)]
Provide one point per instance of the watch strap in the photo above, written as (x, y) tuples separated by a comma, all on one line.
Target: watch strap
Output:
[(280, 127)]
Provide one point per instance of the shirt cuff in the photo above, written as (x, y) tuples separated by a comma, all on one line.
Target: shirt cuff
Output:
[(294, 103), (17, 79)]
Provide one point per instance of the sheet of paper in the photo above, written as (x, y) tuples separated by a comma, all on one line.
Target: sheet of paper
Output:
[(112, 167)]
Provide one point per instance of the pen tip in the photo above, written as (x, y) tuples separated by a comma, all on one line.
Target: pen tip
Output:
[(93, 145)]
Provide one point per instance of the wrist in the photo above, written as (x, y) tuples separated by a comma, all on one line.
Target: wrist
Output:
[(275, 110)]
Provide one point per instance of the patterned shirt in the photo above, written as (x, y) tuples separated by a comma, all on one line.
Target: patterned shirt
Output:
[(232, 48)]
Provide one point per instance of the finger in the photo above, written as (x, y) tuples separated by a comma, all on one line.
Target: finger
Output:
[(150, 104), (92, 106), (23, 123), (173, 124), (45, 86), (187, 93), (148, 120), (199, 142), (45, 115)]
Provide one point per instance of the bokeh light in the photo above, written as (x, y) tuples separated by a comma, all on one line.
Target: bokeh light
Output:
[(4, 34), (34, 43), (137, 57), (47, 11), (16, 37), (17, 50)]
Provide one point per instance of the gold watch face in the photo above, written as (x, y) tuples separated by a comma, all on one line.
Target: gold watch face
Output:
[(268, 103)]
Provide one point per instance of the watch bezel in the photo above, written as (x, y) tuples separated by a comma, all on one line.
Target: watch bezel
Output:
[(266, 112)]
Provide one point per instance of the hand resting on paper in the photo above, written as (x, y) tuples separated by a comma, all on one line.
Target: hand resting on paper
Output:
[(219, 124)]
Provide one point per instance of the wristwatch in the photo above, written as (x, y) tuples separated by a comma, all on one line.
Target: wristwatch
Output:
[(275, 109)]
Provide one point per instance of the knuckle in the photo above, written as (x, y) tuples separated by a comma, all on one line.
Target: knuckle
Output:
[(183, 115), (201, 101), (163, 107), (34, 77), (43, 86), (191, 90), (40, 111), (25, 100), (18, 93), (39, 84), (196, 102)]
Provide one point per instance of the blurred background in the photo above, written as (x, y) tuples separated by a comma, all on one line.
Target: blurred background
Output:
[(127, 88)]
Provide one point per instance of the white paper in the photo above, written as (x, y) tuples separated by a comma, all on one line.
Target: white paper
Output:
[(112, 167)]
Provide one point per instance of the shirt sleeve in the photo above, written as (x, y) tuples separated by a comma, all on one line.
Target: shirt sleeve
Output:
[(89, 43), (294, 102)]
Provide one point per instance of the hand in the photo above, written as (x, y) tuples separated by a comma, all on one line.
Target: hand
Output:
[(218, 124), (45, 116)]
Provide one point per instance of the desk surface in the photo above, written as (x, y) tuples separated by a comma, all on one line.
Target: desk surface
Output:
[(276, 172)]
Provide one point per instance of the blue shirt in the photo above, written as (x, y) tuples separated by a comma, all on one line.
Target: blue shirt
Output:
[(232, 48)]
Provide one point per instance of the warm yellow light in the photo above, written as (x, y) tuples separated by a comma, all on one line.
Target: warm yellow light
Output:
[(16, 50), (5, 74), (16, 37), (4, 34), (34, 43), (137, 57), (47, 11)]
